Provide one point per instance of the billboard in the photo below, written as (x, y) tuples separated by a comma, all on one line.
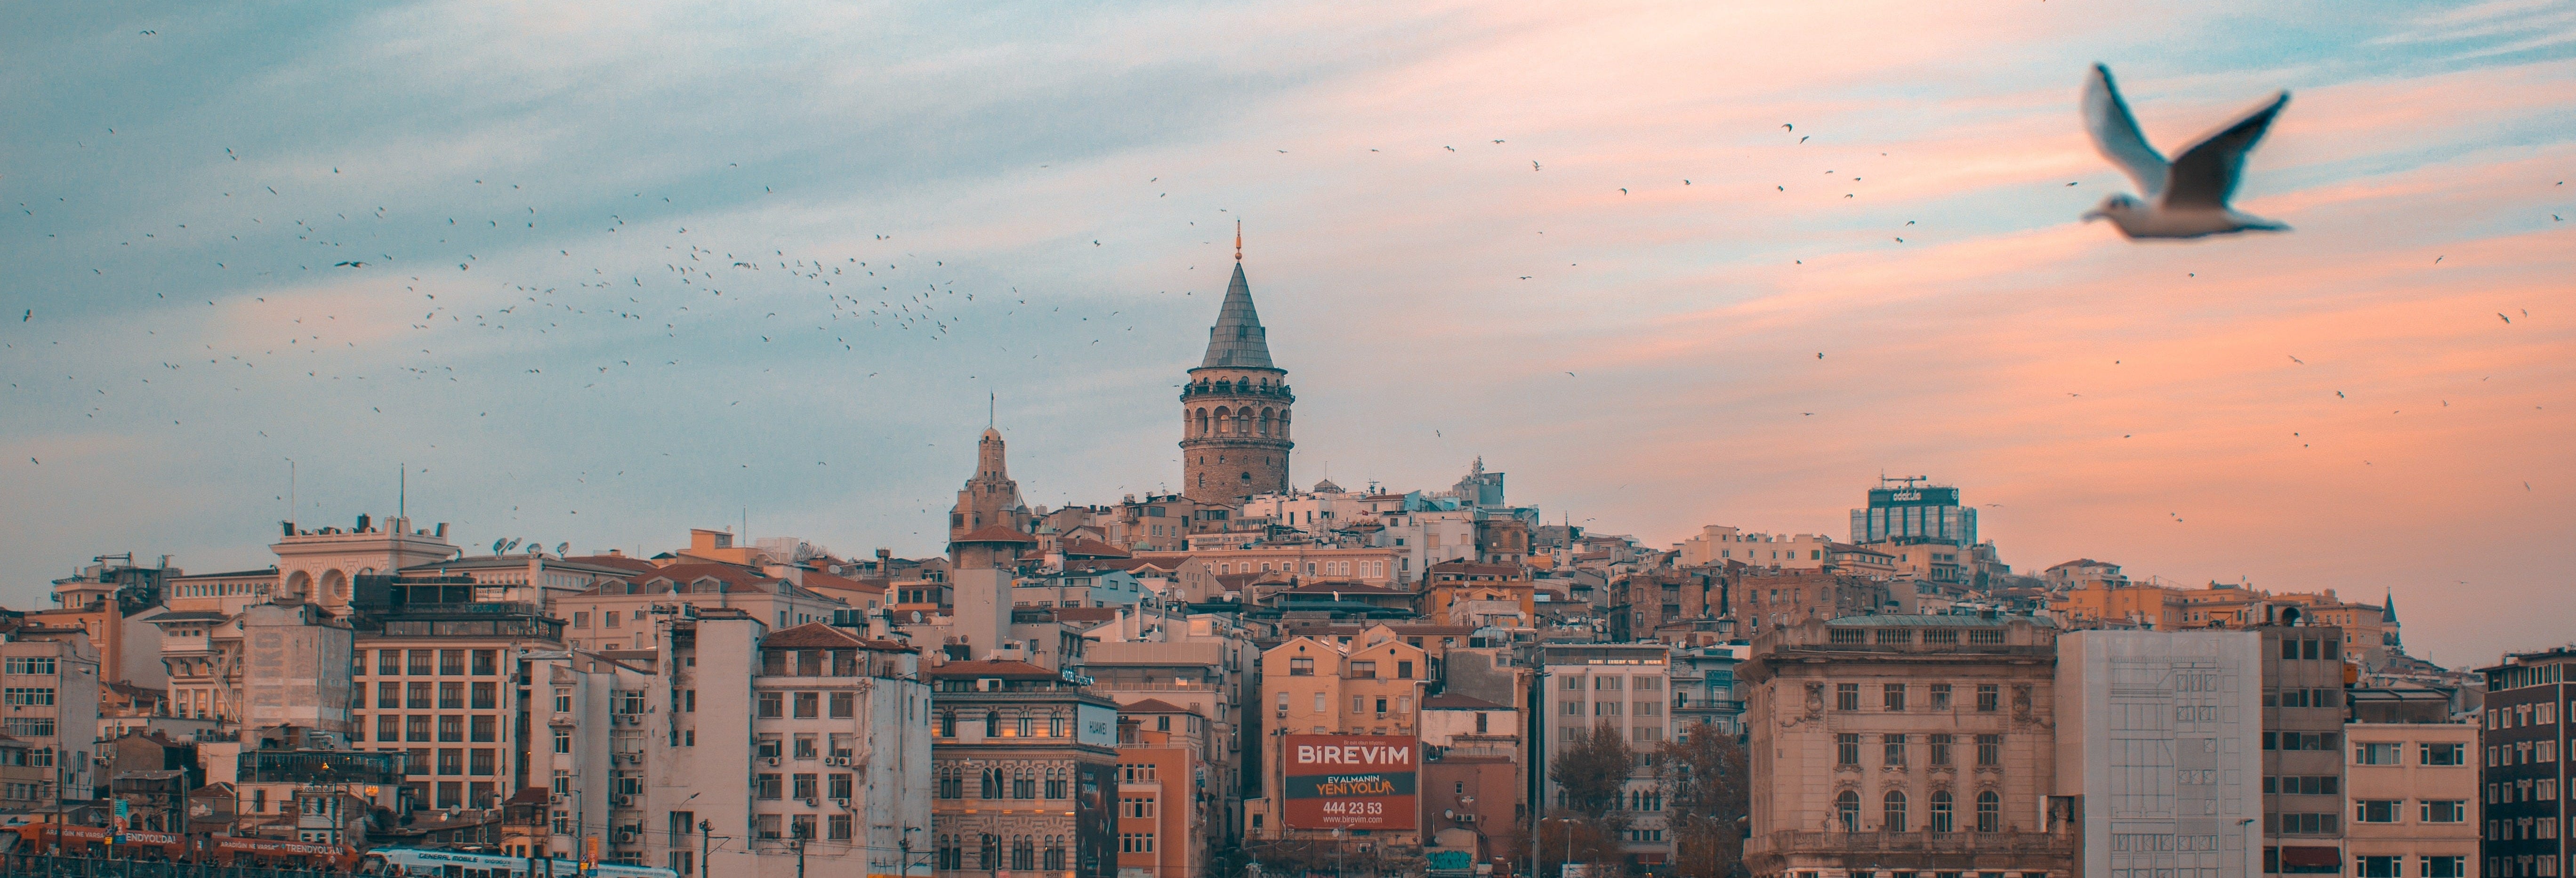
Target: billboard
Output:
[(1349, 781)]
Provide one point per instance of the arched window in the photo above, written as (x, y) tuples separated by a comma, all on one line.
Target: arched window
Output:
[(1203, 422), (988, 853), (1024, 785), (1024, 854), (1265, 422), (992, 724), (1847, 809), (1224, 421), (1054, 854), (991, 788), (1990, 812), (1892, 812), (1940, 816)]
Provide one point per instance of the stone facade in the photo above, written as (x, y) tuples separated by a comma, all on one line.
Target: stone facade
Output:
[(1903, 743)]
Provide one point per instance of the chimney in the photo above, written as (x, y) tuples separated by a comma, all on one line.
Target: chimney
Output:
[(286, 528), (885, 563), (362, 523)]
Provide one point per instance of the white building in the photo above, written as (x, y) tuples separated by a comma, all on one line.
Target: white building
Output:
[(1718, 544), (1625, 686), (2158, 741)]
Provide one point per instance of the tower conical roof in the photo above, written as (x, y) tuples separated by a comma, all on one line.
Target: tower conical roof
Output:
[(1237, 340)]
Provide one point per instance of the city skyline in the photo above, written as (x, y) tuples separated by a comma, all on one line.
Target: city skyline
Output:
[(2133, 404)]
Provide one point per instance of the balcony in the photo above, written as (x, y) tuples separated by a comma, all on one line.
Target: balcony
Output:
[(1920, 850)]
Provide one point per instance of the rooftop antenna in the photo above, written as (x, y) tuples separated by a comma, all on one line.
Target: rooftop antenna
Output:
[(402, 489), (1238, 239), (992, 405), (290, 493)]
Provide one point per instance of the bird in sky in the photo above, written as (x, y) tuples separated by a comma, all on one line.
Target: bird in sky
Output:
[(350, 264), (2183, 198), (1533, 165), (1784, 126), (2508, 321), (2295, 359), (30, 315)]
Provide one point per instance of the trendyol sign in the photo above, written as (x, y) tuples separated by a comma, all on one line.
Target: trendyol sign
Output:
[(1350, 781)]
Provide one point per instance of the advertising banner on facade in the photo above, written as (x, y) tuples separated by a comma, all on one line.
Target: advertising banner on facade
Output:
[(1350, 781)]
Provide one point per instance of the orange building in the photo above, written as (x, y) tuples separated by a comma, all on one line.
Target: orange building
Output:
[(1162, 823), (2105, 602)]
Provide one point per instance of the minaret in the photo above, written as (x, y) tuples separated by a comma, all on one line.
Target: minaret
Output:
[(1234, 410)]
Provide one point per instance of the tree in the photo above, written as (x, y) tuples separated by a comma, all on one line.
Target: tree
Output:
[(1593, 770), (1707, 792)]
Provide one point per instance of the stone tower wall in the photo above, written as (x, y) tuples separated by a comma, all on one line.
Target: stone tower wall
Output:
[(1236, 432)]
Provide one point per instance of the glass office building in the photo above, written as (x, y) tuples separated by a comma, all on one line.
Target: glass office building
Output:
[(1909, 509)]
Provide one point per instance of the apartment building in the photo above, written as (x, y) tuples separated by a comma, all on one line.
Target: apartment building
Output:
[(1025, 762), (1167, 812), (1911, 744), (2412, 784), (1624, 686), (2303, 766), (2524, 777), (2157, 751), (49, 712), (1311, 685), (438, 668)]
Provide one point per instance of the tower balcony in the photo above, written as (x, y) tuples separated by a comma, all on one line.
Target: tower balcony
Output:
[(1221, 388)]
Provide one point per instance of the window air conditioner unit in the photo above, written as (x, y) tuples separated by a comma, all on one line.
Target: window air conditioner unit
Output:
[(771, 761), (841, 803), (809, 803), (837, 760), (625, 801), (1466, 818)]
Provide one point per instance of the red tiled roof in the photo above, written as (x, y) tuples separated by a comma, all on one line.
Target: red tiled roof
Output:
[(825, 580), (1093, 549), (1344, 588), (1002, 668), (1085, 614), (619, 562), (811, 635), (1154, 705), (994, 533)]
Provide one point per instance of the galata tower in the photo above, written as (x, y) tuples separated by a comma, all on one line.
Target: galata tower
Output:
[(1234, 410)]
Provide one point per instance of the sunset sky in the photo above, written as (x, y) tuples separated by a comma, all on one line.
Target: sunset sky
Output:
[(552, 332)]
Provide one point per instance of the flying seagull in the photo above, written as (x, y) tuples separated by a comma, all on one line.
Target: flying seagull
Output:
[(2184, 198)]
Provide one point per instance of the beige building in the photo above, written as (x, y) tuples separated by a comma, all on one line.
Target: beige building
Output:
[(2413, 788), (1920, 744), (1718, 544)]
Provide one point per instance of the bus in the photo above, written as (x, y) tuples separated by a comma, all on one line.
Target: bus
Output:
[(398, 862)]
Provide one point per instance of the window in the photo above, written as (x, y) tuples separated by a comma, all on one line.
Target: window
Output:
[(1990, 811), (416, 727), (1847, 805), (839, 786), (1895, 747), (486, 696), (805, 785), (2374, 754), (768, 786), (1938, 746), (2445, 811), (1847, 749), (486, 728), (1404, 670), (1055, 784), (1938, 820), (486, 662), (28, 696), (451, 727), (451, 663), (563, 740), (451, 696), (1990, 751), (1989, 697), (416, 662), (992, 724), (480, 761), (839, 827), (388, 728), (806, 748), (2376, 810), (809, 705), (772, 705), (451, 760), (2376, 867), (1892, 696), (389, 694), (1892, 812), (1365, 670), (388, 662), (845, 705), (2442, 867), (1847, 696), (1940, 696)]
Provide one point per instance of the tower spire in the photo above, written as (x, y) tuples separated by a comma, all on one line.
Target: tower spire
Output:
[(1238, 239)]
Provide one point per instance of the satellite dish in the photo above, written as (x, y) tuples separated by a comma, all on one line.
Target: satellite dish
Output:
[(514, 543), (916, 616), (560, 547), (497, 546)]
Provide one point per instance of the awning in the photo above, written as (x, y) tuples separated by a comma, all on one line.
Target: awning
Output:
[(2312, 856)]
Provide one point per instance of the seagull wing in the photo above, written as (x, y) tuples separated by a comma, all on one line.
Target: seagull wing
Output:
[(2205, 175), (2116, 134)]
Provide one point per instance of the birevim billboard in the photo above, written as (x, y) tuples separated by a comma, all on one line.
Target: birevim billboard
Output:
[(1350, 781)]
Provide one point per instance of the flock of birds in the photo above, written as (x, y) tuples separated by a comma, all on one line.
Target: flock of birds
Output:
[(879, 297)]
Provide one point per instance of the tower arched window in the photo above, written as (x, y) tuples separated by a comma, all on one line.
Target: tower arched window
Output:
[(1892, 812), (1024, 854), (1847, 810), (1990, 811), (1938, 820)]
